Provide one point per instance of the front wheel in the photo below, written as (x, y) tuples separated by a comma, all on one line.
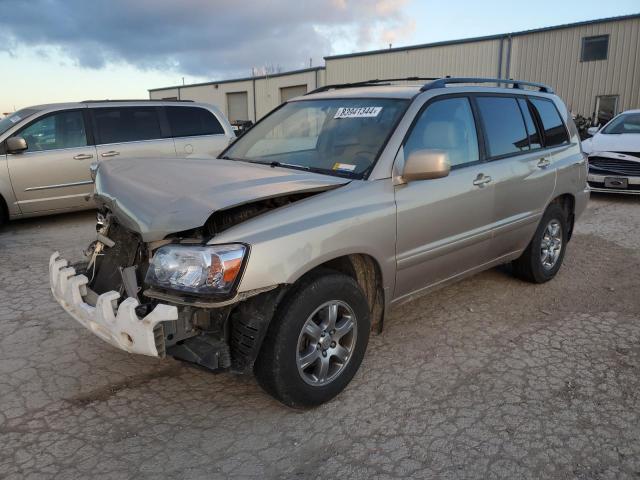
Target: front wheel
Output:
[(316, 341), (543, 257)]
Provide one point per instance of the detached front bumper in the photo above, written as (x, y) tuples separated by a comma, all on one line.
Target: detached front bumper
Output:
[(117, 325)]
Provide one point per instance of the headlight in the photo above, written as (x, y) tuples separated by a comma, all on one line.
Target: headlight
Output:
[(196, 269)]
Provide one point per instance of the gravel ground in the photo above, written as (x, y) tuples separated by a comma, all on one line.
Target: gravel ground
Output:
[(489, 378)]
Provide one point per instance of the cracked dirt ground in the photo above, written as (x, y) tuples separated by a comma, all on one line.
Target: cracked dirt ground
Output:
[(490, 378)]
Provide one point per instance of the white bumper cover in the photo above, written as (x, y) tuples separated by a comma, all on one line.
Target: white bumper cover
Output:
[(122, 328)]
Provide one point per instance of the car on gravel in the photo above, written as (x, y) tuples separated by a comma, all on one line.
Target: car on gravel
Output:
[(281, 256), (614, 155), (46, 151)]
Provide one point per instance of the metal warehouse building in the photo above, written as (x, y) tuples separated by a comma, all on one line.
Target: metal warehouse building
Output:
[(593, 65)]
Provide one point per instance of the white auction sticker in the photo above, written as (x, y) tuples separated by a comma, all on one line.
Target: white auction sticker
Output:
[(357, 112), (344, 166), (14, 119)]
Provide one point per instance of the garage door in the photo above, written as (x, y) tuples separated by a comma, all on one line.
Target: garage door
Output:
[(237, 106), (287, 93)]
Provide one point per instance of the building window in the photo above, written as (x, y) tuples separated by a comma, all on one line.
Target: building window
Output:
[(606, 108), (594, 48)]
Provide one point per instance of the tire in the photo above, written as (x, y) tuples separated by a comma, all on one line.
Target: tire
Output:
[(532, 266), (280, 367)]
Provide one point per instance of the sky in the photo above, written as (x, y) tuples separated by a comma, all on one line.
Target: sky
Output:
[(72, 50)]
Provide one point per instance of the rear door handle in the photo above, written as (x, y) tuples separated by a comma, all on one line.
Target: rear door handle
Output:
[(481, 180), (83, 156), (111, 153), (543, 163)]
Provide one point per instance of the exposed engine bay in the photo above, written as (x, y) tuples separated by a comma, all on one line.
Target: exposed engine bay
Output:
[(212, 333)]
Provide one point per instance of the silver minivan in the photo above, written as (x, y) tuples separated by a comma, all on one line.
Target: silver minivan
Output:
[(280, 256), (46, 150)]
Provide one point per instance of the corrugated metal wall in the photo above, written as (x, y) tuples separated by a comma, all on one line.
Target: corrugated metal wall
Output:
[(267, 91), (215, 94), (553, 57), (478, 58)]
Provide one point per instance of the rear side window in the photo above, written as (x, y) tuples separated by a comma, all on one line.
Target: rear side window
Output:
[(532, 130), (447, 125), (191, 121), (503, 125), (555, 132), (126, 124)]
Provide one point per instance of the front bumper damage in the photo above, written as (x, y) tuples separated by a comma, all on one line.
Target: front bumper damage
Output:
[(118, 325)]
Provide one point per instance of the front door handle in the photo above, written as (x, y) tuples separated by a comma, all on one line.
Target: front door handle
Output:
[(481, 180), (83, 156), (543, 163), (111, 153)]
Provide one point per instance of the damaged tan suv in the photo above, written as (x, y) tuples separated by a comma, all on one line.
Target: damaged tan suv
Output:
[(281, 256)]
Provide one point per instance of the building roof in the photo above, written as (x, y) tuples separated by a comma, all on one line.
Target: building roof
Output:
[(484, 38), (243, 79)]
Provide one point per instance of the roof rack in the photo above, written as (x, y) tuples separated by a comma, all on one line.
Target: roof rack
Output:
[(443, 82), (107, 100), (377, 81)]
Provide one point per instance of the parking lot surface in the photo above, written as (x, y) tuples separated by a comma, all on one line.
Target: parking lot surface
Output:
[(489, 378)]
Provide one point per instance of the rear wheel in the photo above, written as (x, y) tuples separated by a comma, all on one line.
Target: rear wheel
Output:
[(543, 257), (316, 341)]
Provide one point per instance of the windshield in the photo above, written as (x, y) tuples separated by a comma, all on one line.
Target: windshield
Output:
[(10, 120), (339, 136), (625, 123)]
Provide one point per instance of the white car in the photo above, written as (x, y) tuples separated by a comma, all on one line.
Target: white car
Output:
[(614, 154)]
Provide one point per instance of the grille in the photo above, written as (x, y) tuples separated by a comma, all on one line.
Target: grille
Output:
[(615, 166)]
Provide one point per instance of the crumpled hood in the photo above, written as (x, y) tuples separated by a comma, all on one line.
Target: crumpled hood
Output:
[(156, 197), (627, 142)]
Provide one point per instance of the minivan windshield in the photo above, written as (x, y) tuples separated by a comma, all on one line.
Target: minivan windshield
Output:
[(340, 137), (625, 123), (10, 120)]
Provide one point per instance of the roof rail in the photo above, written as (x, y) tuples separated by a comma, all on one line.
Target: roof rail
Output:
[(443, 82), (377, 81), (107, 100)]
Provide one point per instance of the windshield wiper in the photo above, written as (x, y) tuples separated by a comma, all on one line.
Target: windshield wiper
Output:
[(275, 163)]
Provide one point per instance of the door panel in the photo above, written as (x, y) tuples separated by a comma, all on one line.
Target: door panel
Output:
[(53, 174), (522, 191), (207, 146), (443, 225), (443, 228), (164, 147), (524, 183)]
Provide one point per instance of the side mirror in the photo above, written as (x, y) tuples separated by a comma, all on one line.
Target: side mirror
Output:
[(426, 165), (592, 130), (16, 145)]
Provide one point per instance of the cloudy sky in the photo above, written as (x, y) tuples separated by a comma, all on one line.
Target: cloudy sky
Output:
[(60, 50)]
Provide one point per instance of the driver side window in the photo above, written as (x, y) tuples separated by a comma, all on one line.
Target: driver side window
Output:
[(447, 125), (60, 130)]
